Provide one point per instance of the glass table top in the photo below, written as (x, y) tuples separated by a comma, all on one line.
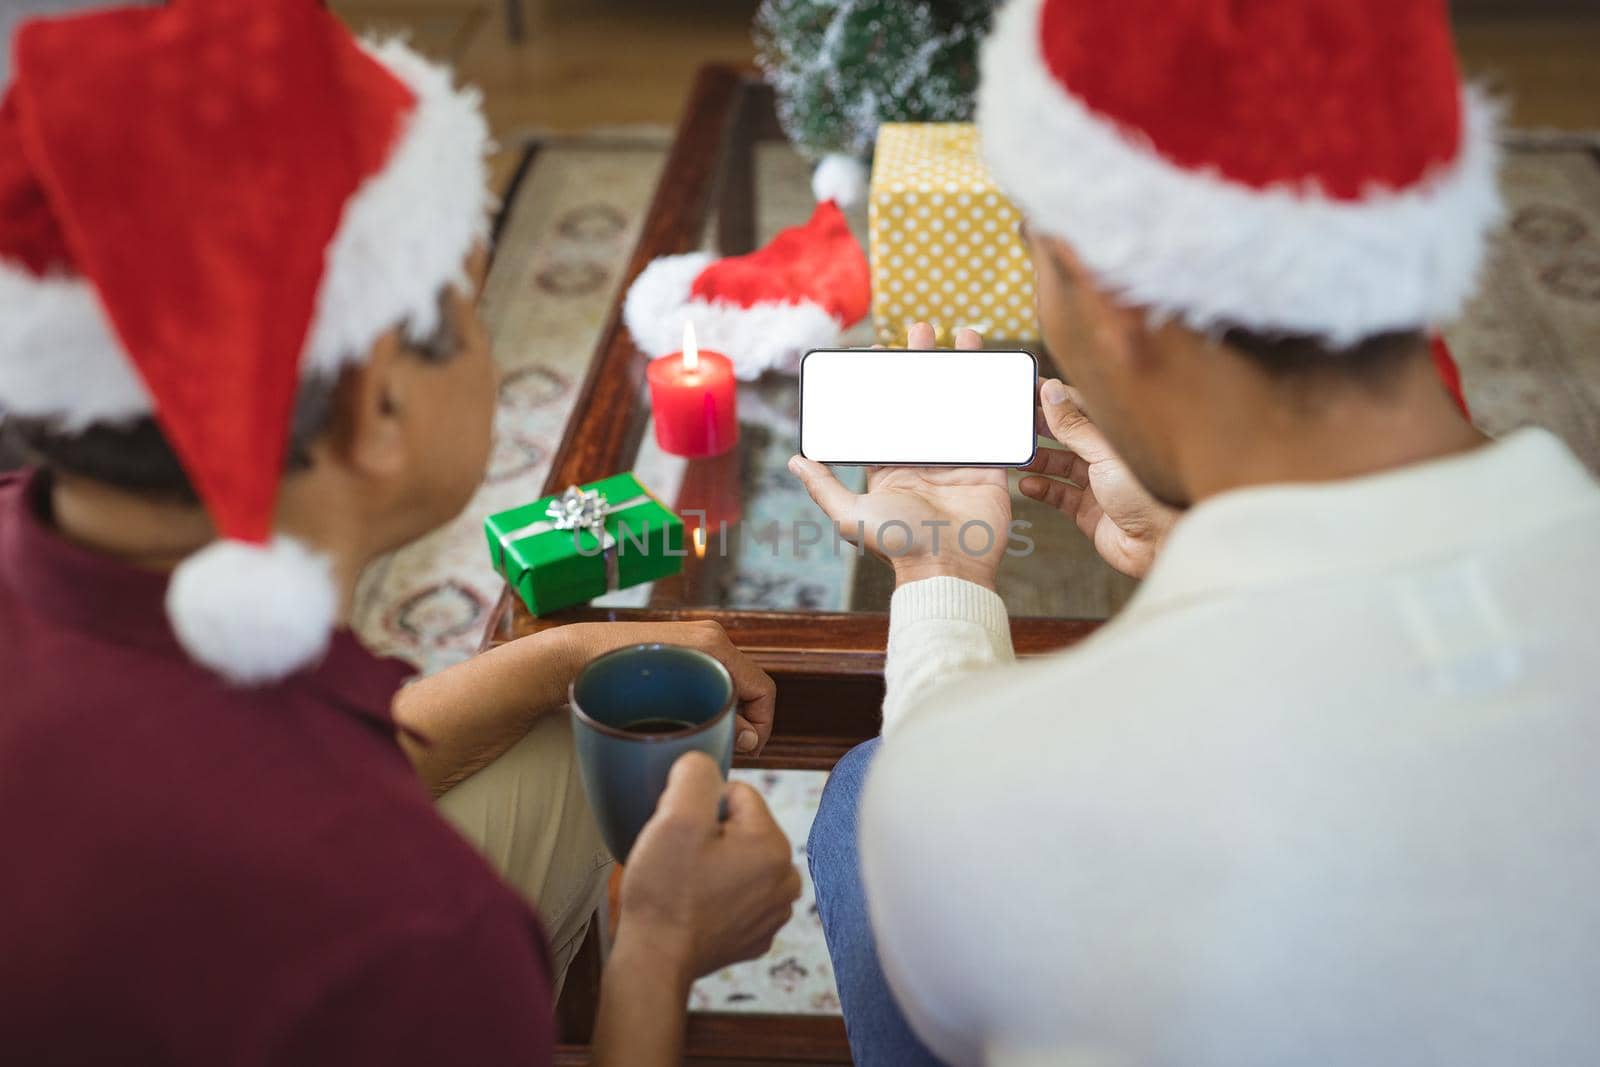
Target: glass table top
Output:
[(757, 542)]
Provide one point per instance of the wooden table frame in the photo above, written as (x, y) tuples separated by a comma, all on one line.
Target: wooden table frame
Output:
[(828, 666)]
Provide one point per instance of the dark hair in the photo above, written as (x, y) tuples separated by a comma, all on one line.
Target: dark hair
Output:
[(135, 455), (1372, 358)]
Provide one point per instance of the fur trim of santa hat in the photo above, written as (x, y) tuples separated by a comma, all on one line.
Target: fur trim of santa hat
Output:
[(398, 212), (1191, 242), (770, 335), (763, 310), (403, 236)]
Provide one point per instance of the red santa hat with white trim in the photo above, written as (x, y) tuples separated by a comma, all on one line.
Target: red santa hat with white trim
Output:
[(1292, 167), (201, 207), (766, 309)]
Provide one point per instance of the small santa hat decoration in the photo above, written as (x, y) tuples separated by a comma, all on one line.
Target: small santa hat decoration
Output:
[(1298, 167), (763, 310), (202, 206)]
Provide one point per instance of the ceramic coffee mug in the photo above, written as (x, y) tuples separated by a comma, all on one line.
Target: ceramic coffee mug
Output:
[(635, 710)]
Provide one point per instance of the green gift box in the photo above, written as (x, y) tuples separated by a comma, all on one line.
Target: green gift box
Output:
[(565, 549)]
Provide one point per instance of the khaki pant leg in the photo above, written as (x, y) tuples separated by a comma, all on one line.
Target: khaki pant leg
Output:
[(527, 813)]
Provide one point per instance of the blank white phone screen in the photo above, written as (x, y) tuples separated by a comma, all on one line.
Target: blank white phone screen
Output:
[(917, 408)]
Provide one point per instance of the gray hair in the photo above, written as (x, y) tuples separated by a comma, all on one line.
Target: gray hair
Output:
[(135, 456)]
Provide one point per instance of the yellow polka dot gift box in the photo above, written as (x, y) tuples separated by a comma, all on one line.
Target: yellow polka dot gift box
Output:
[(944, 242)]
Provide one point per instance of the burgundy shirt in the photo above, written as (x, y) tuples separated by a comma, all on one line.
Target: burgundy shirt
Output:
[(192, 873)]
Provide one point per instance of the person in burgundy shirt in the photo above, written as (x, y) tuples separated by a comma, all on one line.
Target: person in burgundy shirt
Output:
[(220, 815)]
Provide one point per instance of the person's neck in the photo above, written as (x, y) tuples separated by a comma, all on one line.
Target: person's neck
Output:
[(157, 533), (1260, 436)]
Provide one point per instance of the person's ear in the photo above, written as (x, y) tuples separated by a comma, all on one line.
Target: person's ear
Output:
[(366, 432), (1114, 328), (478, 268), (1056, 256), (1119, 328)]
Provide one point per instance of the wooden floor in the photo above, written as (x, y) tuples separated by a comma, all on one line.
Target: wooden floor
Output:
[(589, 64), (1547, 68), (585, 64)]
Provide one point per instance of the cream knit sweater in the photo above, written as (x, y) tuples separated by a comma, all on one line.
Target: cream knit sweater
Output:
[(1326, 792)]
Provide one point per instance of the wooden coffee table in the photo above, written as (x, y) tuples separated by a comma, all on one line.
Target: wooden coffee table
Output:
[(825, 646), (828, 662)]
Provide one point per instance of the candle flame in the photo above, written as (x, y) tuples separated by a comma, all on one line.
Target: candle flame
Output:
[(700, 542), (691, 351)]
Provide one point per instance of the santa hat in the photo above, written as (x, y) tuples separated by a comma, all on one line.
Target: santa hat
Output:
[(1312, 167), (763, 310), (201, 207)]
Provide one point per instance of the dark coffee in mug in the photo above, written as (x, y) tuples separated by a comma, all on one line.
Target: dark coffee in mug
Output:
[(658, 726)]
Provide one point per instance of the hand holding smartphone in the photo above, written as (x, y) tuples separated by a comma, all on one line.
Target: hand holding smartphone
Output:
[(914, 408), (938, 427)]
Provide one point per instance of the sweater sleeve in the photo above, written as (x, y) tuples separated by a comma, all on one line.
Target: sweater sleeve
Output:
[(939, 629)]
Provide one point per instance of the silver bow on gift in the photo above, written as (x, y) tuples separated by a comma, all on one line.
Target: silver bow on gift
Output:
[(580, 510)]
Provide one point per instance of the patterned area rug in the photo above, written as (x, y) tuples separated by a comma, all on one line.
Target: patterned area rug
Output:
[(1529, 348), (1529, 345)]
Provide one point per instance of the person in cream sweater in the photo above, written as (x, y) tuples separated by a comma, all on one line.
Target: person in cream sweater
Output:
[(1327, 790)]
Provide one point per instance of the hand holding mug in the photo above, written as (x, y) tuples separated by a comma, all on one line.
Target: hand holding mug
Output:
[(636, 711), (757, 692), (703, 891)]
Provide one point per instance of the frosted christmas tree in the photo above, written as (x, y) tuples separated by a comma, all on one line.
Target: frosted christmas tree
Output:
[(841, 68)]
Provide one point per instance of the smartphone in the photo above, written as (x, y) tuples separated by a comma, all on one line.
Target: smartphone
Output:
[(905, 408)]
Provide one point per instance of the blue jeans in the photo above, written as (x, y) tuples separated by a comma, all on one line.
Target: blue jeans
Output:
[(878, 1032)]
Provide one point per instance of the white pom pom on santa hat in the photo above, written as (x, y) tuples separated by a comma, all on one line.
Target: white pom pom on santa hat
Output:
[(840, 178), (253, 613)]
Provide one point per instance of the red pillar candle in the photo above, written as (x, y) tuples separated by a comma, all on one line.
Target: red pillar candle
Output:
[(692, 393)]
